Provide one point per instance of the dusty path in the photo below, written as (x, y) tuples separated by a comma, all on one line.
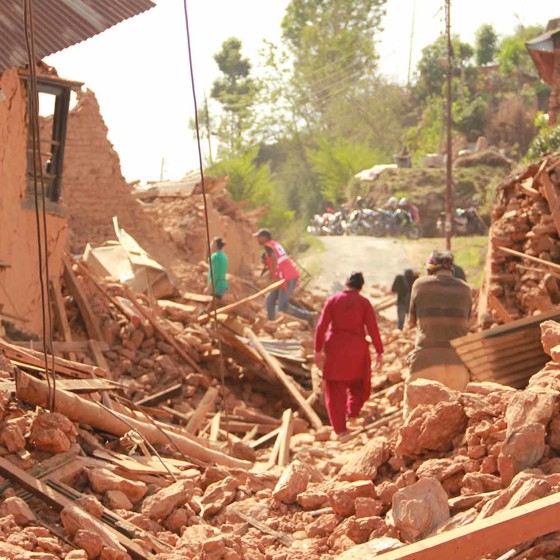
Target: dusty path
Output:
[(380, 260)]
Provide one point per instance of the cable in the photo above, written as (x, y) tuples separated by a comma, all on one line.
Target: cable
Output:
[(33, 99), (207, 225)]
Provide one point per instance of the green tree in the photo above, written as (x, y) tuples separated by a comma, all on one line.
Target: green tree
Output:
[(332, 43), (432, 67), (513, 56), (235, 90), (486, 44)]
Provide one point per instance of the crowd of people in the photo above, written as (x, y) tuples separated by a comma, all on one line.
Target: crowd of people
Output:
[(437, 305)]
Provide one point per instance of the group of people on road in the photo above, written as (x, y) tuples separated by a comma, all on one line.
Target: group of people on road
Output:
[(438, 305)]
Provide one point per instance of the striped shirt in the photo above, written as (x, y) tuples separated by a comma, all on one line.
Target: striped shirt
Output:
[(440, 305)]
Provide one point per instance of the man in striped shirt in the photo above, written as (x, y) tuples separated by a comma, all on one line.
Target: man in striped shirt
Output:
[(440, 308)]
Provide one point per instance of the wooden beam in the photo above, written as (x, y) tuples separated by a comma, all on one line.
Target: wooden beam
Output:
[(206, 405), (276, 369), (73, 285), (77, 409), (226, 309), (60, 314), (480, 538), (59, 501), (163, 333), (548, 264), (166, 394), (285, 435), (551, 195), (500, 310)]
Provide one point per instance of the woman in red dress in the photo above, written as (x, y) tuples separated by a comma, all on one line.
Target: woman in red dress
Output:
[(342, 351)]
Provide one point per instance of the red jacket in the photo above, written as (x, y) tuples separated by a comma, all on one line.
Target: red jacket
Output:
[(345, 320), (285, 268)]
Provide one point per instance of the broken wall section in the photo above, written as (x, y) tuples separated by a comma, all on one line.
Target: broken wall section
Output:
[(171, 230), (20, 293)]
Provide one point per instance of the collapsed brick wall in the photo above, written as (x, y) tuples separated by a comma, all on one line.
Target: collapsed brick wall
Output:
[(522, 221), (95, 190)]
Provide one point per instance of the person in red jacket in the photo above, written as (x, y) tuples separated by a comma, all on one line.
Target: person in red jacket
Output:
[(281, 267), (342, 351)]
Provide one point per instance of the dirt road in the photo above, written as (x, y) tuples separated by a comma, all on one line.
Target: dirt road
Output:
[(380, 260)]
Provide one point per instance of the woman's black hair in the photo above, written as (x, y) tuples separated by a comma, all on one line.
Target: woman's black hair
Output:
[(219, 242), (355, 281)]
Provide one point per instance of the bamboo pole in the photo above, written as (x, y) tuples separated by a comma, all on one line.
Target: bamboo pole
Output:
[(275, 368), (227, 308), (77, 409)]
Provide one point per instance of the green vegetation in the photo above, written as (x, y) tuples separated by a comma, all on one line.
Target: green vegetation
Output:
[(293, 135)]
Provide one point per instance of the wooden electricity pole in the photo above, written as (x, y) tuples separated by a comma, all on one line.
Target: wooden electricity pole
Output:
[(449, 159)]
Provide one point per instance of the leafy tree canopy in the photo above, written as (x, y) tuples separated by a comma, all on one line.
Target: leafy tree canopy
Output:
[(486, 44)]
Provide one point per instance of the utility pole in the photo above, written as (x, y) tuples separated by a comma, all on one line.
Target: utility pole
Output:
[(411, 40), (162, 168), (449, 159), (208, 131)]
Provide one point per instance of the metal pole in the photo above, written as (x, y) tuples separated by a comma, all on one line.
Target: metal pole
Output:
[(449, 178), (410, 49)]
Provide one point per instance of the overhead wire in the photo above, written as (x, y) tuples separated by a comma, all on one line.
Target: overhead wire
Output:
[(213, 303), (40, 215)]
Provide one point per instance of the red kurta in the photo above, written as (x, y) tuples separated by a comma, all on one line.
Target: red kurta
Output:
[(341, 331)]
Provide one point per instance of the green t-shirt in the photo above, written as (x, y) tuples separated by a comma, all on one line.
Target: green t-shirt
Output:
[(219, 264)]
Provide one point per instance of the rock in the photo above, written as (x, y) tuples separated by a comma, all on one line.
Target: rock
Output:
[(522, 490), (91, 504), (89, 542), (353, 531), (294, 481), (193, 538), (323, 526), (52, 432), (440, 469), (419, 509), (313, 498), (343, 495), (363, 464), (430, 428), (12, 438), (20, 511), (162, 503), (550, 335), (77, 555), (428, 392), (115, 499), (177, 520), (368, 507), (75, 519), (103, 480), (219, 495)]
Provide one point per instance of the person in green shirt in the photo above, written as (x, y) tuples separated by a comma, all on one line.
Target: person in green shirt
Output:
[(219, 264)]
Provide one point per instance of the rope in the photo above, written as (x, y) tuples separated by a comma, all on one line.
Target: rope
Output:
[(33, 99), (207, 226)]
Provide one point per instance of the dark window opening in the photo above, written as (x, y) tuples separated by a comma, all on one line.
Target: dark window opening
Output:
[(52, 140)]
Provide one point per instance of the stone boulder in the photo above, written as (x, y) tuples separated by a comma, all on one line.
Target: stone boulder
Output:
[(294, 481), (364, 464), (419, 509)]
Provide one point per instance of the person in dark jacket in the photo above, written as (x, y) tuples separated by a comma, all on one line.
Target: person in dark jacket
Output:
[(402, 286)]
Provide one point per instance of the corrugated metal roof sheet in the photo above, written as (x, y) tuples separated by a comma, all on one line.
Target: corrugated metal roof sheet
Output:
[(59, 24)]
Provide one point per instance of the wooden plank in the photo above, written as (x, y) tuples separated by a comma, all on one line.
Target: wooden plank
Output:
[(232, 306), (205, 406), (163, 333), (58, 501), (59, 347), (215, 427), (551, 195), (480, 538), (275, 368), (265, 438), (285, 435), (60, 313), (492, 355), (166, 394), (98, 356), (73, 286), (501, 311)]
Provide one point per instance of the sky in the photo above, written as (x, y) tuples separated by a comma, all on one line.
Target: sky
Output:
[(139, 69)]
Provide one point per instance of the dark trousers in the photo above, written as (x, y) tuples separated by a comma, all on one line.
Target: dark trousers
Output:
[(402, 311)]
